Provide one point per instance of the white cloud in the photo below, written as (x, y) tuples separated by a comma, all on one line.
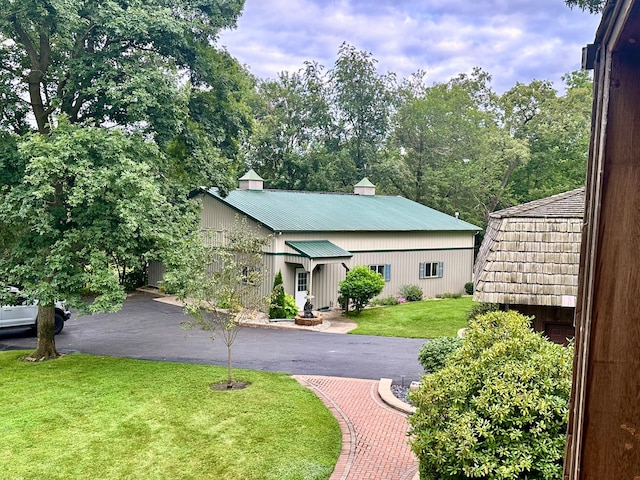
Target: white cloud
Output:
[(516, 40)]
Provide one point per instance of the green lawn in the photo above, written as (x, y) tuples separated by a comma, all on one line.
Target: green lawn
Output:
[(84, 416), (425, 319)]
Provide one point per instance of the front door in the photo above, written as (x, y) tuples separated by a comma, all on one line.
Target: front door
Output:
[(302, 287)]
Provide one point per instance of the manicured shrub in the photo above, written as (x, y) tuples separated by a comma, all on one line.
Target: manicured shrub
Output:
[(411, 293), (498, 409), (386, 301), (433, 354), (481, 308), (282, 304), (360, 285), (468, 288)]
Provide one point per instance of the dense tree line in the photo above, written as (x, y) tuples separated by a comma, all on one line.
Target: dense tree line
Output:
[(456, 146)]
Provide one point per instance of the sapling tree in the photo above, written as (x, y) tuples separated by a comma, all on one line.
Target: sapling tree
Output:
[(222, 288)]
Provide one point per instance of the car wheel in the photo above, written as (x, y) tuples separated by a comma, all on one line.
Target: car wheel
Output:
[(58, 324)]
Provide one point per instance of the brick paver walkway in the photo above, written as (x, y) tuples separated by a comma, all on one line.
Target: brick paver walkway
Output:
[(374, 435)]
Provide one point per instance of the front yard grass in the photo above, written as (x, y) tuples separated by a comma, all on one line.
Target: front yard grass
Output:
[(425, 319), (85, 416)]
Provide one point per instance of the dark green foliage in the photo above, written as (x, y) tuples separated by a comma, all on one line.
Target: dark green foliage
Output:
[(360, 286), (276, 308), (433, 354), (499, 407), (593, 6), (468, 288), (480, 308), (411, 293), (282, 305)]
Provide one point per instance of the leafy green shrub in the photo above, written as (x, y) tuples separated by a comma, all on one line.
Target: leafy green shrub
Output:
[(290, 306), (433, 354), (360, 285), (449, 295), (386, 301), (468, 288), (411, 293), (498, 409), (482, 308)]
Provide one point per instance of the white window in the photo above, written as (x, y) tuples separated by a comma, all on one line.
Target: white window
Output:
[(431, 270), (384, 270)]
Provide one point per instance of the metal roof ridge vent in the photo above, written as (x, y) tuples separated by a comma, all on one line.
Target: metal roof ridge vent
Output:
[(251, 181), (364, 187)]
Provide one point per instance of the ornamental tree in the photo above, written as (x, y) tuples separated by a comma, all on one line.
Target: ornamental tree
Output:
[(220, 283), (360, 285), (499, 407)]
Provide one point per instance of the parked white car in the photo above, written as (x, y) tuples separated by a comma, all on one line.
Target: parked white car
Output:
[(19, 312)]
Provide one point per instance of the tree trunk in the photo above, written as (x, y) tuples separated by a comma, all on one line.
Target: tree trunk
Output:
[(46, 349), (229, 374)]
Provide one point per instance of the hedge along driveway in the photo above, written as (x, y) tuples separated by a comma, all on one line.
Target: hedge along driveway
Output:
[(86, 416), (425, 319)]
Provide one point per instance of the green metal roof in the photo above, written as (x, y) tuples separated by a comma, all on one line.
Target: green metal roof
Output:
[(318, 249), (298, 211)]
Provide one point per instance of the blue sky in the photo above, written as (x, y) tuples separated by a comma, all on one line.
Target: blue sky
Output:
[(513, 40)]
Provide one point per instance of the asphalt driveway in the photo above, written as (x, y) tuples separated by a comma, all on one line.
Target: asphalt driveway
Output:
[(147, 329)]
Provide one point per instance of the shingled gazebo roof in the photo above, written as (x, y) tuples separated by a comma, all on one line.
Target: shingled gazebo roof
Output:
[(530, 253)]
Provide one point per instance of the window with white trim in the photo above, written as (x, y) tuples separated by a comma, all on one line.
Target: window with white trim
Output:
[(431, 270), (384, 270)]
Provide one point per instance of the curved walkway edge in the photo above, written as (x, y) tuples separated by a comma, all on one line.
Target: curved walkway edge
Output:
[(374, 435)]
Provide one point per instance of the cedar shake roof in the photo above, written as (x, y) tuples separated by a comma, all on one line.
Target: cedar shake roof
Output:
[(530, 252)]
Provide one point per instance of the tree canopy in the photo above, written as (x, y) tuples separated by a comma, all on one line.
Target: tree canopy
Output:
[(133, 106), (593, 6)]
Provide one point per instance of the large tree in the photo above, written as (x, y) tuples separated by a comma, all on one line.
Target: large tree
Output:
[(363, 101), (556, 129), (105, 62), (294, 129), (90, 200), (133, 105), (149, 66), (447, 148)]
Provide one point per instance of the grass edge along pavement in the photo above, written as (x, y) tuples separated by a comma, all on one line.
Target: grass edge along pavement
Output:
[(425, 319), (84, 415)]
